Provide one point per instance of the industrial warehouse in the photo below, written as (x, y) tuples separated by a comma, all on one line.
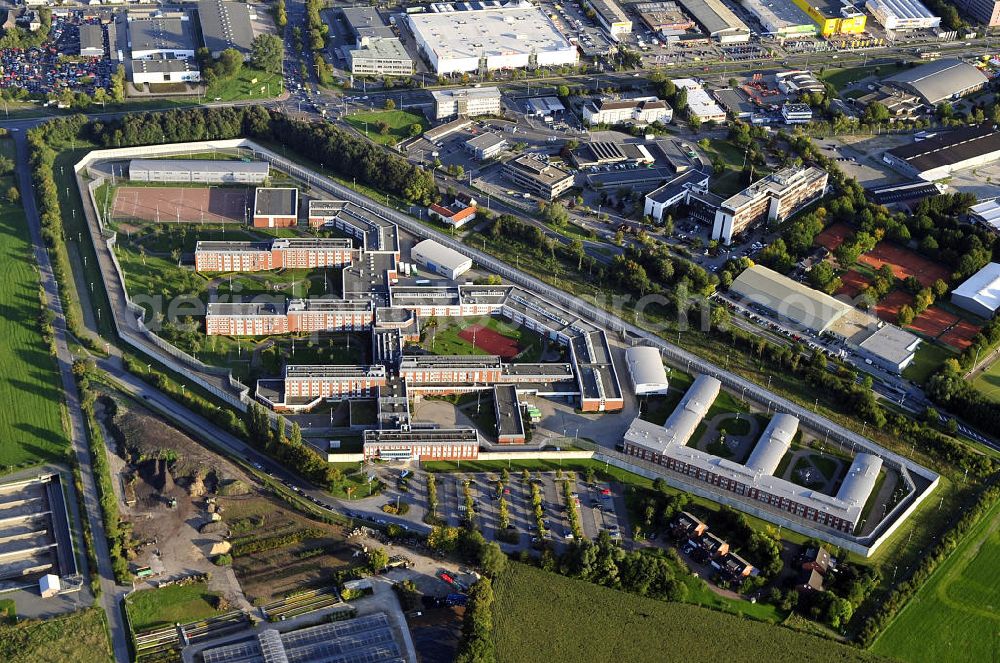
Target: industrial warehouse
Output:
[(458, 38), (667, 445), (938, 157)]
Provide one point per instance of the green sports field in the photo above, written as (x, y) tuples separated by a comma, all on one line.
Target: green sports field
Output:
[(30, 427), (988, 382), (955, 616)]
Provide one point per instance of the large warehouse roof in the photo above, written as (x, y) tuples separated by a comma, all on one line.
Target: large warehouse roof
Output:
[(225, 25), (983, 287), (439, 254), (949, 148), (714, 17), (646, 368), (775, 441), (803, 305), (940, 80), (161, 33)]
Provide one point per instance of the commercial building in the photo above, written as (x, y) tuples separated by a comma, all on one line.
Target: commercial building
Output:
[(902, 15), (796, 113), (380, 56), (370, 638), (986, 12), (947, 152), (790, 300), (364, 22), (643, 110), (474, 37), (700, 104), (165, 70), (645, 366), (275, 207), (611, 17), (906, 192), (717, 20), (507, 408), (986, 213), (546, 106), (673, 192), (92, 40), (225, 25), (834, 17), (940, 80), (798, 82), (440, 259), (283, 253), (198, 171), (980, 293), (456, 215), (599, 153), (773, 199), (421, 444), (736, 102), (665, 18), (486, 145), (166, 36), (537, 176), (890, 348), (467, 102), (781, 18)]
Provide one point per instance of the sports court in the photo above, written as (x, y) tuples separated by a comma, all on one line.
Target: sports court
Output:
[(960, 336), (181, 204), (904, 263), (490, 341), (888, 308), (853, 283), (933, 321), (834, 236)]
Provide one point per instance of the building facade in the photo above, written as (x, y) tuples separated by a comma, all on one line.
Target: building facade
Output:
[(774, 198), (538, 177), (469, 102), (380, 56)]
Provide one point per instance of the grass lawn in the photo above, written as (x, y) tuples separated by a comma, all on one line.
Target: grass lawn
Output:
[(152, 608), (988, 382), (926, 361), (442, 337), (955, 612), (241, 87), (730, 181), (398, 121), (30, 426), (541, 616), (81, 637), (840, 78), (656, 408), (8, 612), (735, 426)]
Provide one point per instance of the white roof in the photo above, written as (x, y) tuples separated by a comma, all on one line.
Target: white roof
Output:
[(429, 250), (797, 302), (860, 479), (700, 103), (988, 212), (773, 444), (983, 287), (49, 582), (645, 366)]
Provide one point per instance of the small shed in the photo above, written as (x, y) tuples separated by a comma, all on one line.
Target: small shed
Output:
[(49, 585)]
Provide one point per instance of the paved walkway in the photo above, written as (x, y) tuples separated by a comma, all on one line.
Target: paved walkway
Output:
[(739, 446)]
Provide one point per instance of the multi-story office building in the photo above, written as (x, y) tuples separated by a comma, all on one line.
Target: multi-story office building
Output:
[(643, 110), (774, 198), (380, 56), (538, 177), (468, 102)]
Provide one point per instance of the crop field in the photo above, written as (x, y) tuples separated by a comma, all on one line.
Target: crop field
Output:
[(152, 608), (81, 637), (541, 616), (276, 551), (30, 427), (956, 611)]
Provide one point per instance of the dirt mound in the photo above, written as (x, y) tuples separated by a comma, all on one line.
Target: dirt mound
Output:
[(156, 473)]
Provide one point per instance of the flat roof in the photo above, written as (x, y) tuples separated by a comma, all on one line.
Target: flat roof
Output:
[(891, 343), (270, 201), (508, 410), (160, 33), (777, 15), (538, 170), (200, 165), (366, 22), (448, 362), (636, 176), (714, 16), (949, 147), (790, 299), (334, 371), (92, 37), (245, 308), (164, 65), (678, 185), (734, 100), (940, 79), (225, 25), (430, 251), (223, 246), (382, 48), (491, 31), (699, 101), (429, 436), (486, 140), (466, 93), (983, 287), (903, 9)]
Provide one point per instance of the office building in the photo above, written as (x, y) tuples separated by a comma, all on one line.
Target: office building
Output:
[(773, 199), (380, 56), (472, 37), (980, 293), (611, 17), (467, 102), (986, 12), (538, 177), (643, 110), (486, 145), (198, 171), (947, 152), (675, 191), (226, 25), (796, 113), (902, 15), (165, 70), (365, 22), (275, 207)]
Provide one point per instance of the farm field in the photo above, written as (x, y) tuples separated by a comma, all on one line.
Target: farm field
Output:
[(399, 122), (153, 608), (543, 616), (955, 610), (30, 426), (81, 637)]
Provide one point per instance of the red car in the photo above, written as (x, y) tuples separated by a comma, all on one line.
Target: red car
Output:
[(605, 491), (447, 578)]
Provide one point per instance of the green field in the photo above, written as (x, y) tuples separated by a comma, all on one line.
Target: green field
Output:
[(30, 426), (81, 637), (241, 87), (957, 611), (927, 361), (988, 382), (399, 122), (152, 608), (441, 337), (541, 616), (840, 78)]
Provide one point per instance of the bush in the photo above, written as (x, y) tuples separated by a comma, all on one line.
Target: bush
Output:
[(223, 560)]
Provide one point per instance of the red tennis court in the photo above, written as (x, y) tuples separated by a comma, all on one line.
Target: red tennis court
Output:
[(180, 204), (960, 336), (492, 342), (854, 283), (933, 321), (904, 263), (888, 308), (834, 236)]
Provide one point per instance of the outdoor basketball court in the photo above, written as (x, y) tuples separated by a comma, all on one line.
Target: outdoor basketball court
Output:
[(181, 204)]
